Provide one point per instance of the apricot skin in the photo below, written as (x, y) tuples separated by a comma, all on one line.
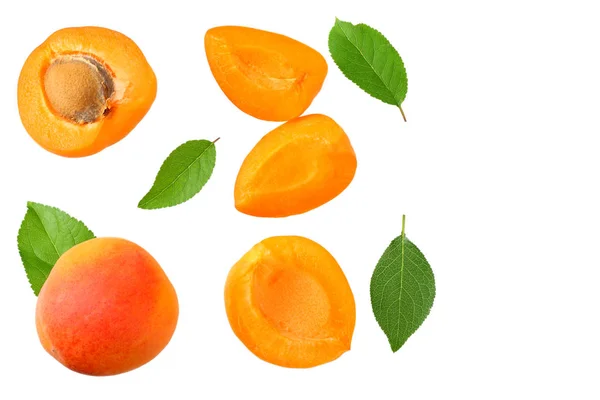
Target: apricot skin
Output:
[(290, 304), (134, 91), (266, 75), (106, 308), (295, 168)]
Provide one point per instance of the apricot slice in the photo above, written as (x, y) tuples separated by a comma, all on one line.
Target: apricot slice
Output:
[(84, 89), (106, 308), (295, 168), (266, 75), (290, 304)]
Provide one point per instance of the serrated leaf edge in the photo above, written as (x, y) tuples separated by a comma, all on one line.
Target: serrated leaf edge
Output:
[(30, 205), (20, 237), (379, 322), (337, 20)]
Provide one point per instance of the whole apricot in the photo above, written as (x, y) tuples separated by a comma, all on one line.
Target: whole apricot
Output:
[(84, 89), (106, 308)]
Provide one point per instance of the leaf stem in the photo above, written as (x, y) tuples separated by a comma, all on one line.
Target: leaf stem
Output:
[(216, 140), (403, 224), (402, 111)]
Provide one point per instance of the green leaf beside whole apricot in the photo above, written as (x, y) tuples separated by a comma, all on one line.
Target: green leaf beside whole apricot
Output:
[(402, 290), (369, 60), (182, 175), (45, 234)]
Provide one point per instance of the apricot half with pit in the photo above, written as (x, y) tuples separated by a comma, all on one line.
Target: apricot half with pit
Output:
[(290, 303), (84, 89), (106, 308), (266, 75)]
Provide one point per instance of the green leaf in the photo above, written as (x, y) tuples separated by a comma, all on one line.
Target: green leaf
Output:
[(402, 290), (368, 59), (182, 175), (45, 234)]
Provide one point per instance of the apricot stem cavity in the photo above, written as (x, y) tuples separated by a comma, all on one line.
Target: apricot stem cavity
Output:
[(78, 88)]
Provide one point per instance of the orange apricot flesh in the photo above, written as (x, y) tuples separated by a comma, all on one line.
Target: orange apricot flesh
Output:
[(290, 303), (266, 75), (106, 308), (84, 89), (295, 168)]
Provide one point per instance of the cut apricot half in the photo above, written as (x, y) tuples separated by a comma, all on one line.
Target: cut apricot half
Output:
[(290, 303), (266, 75), (295, 168), (84, 89)]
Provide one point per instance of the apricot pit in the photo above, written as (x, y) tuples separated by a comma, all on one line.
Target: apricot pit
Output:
[(78, 88)]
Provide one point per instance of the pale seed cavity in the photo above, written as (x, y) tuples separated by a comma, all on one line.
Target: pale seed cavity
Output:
[(78, 88)]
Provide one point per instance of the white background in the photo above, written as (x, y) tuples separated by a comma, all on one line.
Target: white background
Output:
[(497, 171)]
